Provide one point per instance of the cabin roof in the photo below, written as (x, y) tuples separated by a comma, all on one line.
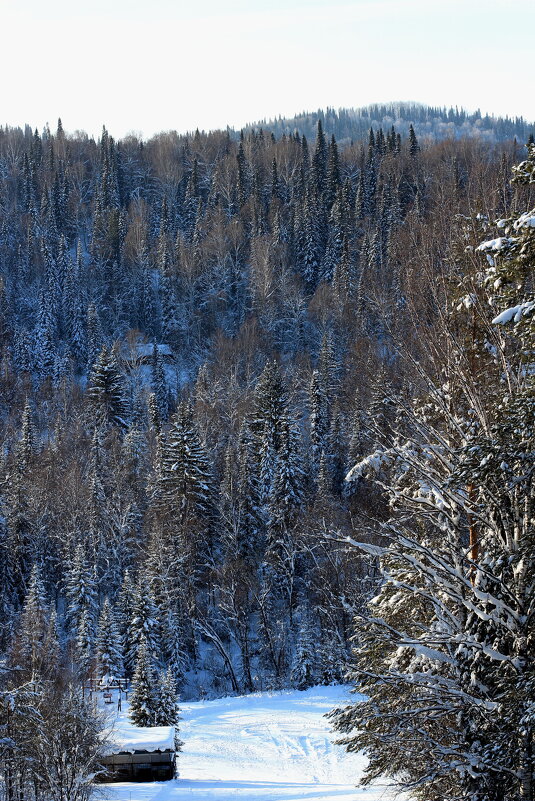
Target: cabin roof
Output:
[(127, 738)]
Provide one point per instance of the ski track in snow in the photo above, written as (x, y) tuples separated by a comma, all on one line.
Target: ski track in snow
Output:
[(262, 747)]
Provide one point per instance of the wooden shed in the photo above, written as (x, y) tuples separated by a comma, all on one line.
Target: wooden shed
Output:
[(137, 754), (139, 766)]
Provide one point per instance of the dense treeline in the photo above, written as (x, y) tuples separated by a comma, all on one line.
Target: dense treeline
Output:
[(429, 122), (196, 335)]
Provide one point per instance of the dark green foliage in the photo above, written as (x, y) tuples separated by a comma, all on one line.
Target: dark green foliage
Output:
[(414, 147)]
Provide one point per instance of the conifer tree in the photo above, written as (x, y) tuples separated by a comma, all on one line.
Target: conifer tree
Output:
[(73, 309), (107, 392), (108, 644), (174, 653), (333, 172), (134, 449), (45, 335), (84, 644), (27, 444), (153, 412), (30, 642), (250, 522), (243, 177), (267, 462), (287, 493), (124, 609), (335, 244), (166, 713), (269, 404), (94, 335), (414, 147), (81, 591), (331, 663), (319, 161), (143, 626), (168, 297), (303, 673), (284, 506), (319, 413), (310, 242), (186, 484), (144, 693)]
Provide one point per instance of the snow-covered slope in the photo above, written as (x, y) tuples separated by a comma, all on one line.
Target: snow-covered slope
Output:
[(260, 747)]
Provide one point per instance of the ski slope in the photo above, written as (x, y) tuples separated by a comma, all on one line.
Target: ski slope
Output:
[(261, 747)]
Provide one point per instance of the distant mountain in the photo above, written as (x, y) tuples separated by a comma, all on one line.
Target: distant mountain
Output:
[(428, 121)]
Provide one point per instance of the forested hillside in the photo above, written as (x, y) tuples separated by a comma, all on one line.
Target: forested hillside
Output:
[(197, 334), (429, 123)]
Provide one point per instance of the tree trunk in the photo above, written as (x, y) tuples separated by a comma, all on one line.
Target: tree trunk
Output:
[(526, 775)]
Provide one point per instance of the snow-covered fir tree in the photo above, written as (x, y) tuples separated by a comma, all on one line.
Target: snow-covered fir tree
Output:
[(167, 707), (143, 626), (304, 668), (107, 392), (144, 693), (108, 645)]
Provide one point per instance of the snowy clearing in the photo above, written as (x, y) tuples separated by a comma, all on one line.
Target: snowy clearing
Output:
[(260, 747)]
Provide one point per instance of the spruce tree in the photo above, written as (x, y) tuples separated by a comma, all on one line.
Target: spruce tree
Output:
[(333, 172), (124, 610), (81, 591), (95, 336), (174, 653), (107, 391), (319, 161), (269, 404), (287, 492), (143, 625), (144, 693), (108, 645), (303, 674), (84, 645), (414, 147), (319, 404), (250, 523), (186, 485), (27, 445), (166, 713), (32, 626), (73, 309), (45, 335)]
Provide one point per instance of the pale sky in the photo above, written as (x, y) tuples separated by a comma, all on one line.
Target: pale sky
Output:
[(171, 64)]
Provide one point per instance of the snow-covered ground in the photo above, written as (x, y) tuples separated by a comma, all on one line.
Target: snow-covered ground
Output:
[(262, 747)]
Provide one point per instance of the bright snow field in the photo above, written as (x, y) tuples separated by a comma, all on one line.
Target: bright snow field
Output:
[(260, 747)]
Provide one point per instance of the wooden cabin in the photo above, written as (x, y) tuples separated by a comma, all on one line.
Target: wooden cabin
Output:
[(137, 754), (139, 766)]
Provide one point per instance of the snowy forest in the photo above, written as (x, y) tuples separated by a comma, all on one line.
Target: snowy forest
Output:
[(266, 421)]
